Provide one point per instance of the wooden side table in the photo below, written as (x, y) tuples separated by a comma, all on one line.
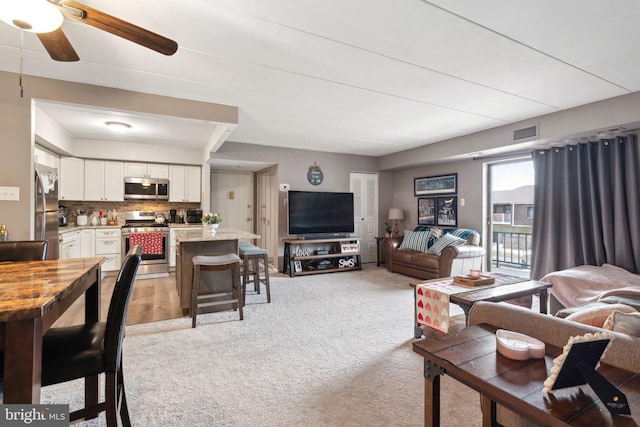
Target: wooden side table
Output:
[(469, 356), (379, 252), (505, 288)]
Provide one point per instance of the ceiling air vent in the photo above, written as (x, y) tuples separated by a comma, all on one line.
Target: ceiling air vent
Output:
[(525, 133)]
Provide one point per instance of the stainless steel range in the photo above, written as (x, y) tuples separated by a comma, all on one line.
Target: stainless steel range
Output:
[(149, 230)]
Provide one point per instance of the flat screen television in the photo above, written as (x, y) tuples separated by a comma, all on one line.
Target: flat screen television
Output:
[(316, 213)]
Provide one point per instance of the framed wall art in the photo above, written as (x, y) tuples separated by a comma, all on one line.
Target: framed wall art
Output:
[(447, 213), (427, 211), (436, 185)]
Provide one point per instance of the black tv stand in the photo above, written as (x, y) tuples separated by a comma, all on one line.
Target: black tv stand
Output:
[(323, 236)]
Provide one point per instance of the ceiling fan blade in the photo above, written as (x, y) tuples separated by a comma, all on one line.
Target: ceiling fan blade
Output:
[(58, 46), (118, 27)]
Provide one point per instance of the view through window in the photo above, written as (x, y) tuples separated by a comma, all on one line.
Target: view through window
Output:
[(511, 202)]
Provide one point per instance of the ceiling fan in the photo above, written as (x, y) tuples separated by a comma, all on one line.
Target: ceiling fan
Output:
[(44, 17)]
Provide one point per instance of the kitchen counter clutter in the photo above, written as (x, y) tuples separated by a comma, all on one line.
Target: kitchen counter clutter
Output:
[(119, 226), (192, 242), (84, 227)]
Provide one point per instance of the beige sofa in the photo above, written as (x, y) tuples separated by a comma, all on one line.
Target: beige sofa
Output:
[(623, 351), (453, 260)]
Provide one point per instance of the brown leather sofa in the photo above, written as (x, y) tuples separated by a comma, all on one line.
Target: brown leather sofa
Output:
[(453, 260)]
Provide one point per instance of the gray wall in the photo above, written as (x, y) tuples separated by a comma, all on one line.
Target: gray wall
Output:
[(470, 177), (17, 142), (293, 166)]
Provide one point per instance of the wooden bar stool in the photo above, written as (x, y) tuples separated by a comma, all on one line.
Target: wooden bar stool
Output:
[(251, 256), (202, 263)]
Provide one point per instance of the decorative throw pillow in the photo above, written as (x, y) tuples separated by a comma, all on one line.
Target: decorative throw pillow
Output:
[(597, 315), (414, 241), (434, 235), (443, 242), (625, 323)]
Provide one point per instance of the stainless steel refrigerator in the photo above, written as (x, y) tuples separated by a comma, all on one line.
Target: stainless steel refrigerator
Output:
[(46, 208)]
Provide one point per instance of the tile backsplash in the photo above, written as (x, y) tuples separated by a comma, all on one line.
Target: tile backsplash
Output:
[(121, 207)]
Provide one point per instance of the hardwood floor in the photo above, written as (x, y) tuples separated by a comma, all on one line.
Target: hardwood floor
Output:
[(151, 300)]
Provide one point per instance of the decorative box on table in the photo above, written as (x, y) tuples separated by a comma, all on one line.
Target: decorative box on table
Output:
[(432, 303)]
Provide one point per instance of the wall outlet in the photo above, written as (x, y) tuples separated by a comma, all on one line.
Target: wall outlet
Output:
[(10, 193)]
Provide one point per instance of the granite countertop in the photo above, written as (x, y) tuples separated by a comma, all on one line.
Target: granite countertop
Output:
[(197, 235), (84, 227)]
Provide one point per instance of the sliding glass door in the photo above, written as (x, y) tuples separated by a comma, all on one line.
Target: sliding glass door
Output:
[(510, 217)]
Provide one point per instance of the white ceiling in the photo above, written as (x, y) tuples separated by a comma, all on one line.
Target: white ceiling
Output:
[(369, 77)]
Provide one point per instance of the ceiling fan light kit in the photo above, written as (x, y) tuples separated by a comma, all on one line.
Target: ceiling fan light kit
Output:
[(36, 16), (119, 127), (45, 17)]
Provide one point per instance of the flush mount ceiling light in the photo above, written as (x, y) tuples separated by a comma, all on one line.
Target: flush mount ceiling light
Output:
[(118, 127), (36, 16)]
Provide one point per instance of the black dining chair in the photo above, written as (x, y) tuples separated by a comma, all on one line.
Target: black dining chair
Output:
[(79, 351), (23, 250)]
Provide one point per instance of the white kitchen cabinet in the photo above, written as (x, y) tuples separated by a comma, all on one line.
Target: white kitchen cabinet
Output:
[(146, 170), (173, 242), (87, 243), (109, 246), (71, 177), (69, 244), (104, 180), (184, 183), (45, 157)]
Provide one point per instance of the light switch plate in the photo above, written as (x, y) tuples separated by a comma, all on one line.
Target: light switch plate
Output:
[(10, 193)]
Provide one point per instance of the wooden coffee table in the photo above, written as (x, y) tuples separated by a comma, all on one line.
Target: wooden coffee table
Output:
[(506, 287), (469, 355)]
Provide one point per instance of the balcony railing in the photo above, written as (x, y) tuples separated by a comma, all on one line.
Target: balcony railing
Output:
[(511, 249)]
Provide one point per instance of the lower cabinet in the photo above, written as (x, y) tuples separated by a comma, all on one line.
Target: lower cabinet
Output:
[(69, 244), (173, 245), (87, 243), (109, 246)]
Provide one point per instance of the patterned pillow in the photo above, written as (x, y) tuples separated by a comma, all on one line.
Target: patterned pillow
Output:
[(434, 233), (415, 241), (443, 242), (463, 233)]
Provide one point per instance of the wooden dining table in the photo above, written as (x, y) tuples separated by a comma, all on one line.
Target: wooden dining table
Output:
[(33, 295)]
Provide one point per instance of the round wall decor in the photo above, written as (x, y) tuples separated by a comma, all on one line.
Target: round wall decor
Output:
[(314, 175)]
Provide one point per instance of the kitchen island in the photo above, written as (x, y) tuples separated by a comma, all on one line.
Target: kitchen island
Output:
[(192, 242)]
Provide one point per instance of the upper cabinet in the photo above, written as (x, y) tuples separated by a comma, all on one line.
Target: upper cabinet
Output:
[(104, 180), (45, 157), (184, 183), (146, 170), (71, 176)]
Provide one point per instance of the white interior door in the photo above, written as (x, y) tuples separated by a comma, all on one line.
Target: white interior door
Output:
[(364, 187), (267, 211), (232, 198)]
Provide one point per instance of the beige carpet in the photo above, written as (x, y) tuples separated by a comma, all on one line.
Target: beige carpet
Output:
[(330, 350)]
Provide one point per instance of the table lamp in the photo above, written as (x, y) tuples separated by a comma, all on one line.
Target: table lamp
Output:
[(396, 215)]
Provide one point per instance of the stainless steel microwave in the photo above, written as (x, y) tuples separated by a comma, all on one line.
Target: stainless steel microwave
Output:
[(146, 188)]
